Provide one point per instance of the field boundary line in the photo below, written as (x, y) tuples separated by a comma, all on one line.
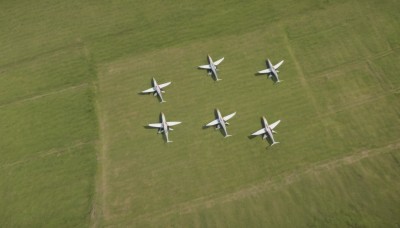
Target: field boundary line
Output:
[(271, 184), (79, 86), (355, 104), (361, 60), (99, 212), (299, 69)]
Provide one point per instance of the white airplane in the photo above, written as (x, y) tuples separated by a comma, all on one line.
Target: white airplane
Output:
[(272, 70), (211, 67), (221, 121), (157, 89), (164, 126), (267, 130)]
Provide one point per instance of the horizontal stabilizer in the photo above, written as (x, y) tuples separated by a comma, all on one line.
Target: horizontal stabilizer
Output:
[(274, 143)]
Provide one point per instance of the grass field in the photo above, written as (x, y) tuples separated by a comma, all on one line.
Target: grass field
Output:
[(75, 153)]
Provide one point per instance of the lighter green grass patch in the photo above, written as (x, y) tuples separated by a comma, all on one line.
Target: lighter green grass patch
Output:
[(48, 122)]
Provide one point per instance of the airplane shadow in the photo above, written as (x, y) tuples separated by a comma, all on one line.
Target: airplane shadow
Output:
[(152, 128), (252, 136), (255, 136), (208, 73), (221, 130), (266, 75), (269, 141), (152, 94)]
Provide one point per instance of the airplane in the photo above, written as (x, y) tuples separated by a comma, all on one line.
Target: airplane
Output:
[(211, 67), (164, 126), (221, 121), (267, 130), (272, 70), (157, 89)]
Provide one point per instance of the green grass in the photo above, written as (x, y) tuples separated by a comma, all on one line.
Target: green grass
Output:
[(74, 150), (51, 189)]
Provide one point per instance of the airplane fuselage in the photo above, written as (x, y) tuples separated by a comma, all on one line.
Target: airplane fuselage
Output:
[(158, 89), (164, 126), (274, 72), (222, 122), (268, 131), (213, 67)]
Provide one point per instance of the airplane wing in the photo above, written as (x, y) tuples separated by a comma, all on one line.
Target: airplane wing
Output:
[(218, 61), (226, 118), (173, 123), (259, 132), (266, 71), (149, 90), (272, 126), (157, 125), (212, 123), (278, 64), (164, 85), (205, 67)]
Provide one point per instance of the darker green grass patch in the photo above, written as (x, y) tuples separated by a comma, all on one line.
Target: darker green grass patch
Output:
[(49, 73), (53, 189)]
